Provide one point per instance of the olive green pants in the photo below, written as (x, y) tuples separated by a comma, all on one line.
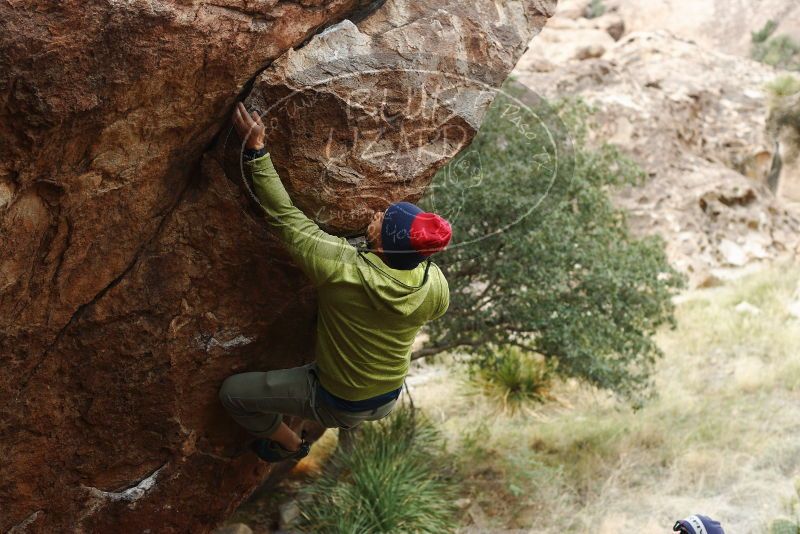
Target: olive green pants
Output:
[(258, 401)]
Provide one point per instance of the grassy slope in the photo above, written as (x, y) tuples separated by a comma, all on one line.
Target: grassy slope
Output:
[(722, 438)]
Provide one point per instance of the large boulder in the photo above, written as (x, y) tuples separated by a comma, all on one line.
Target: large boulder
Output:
[(134, 277), (388, 101)]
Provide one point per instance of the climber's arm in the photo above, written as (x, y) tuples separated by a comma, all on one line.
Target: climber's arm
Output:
[(318, 253)]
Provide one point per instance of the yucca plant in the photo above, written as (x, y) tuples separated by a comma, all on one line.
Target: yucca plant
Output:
[(514, 378), (396, 478), (784, 86)]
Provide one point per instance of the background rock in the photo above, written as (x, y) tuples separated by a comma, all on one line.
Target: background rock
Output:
[(133, 278), (785, 126), (696, 121), (567, 38), (723, 25)]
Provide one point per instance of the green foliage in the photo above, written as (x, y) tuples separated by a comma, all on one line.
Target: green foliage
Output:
[(789, 525), (780, 51), (596, 9), (514, 377), (764, 33), (784, 86), (394, 480), (541, 259), (785, 106), (784, 526)]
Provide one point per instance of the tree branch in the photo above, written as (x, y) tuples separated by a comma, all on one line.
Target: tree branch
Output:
[(437, 349)]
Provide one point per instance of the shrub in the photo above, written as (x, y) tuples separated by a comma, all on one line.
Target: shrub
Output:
[(784, 526), (514, 377), (784, 86), (785, 113), (791, 524), (396, 479), (780, 51), (596, 9), (764, 33), (562, 276)]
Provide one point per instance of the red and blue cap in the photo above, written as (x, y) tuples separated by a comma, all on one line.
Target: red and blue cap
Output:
[(409, 235)]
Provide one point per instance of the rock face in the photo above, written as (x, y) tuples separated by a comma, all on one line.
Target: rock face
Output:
[(696, 121), (430, 106), (133, 276), (785, 124), (723, 25)]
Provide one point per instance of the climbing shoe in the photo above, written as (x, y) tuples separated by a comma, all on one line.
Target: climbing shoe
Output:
[(272, 451)]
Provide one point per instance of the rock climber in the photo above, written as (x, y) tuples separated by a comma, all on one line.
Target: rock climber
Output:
[(372, 302)]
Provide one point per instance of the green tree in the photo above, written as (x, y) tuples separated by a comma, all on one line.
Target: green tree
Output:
[(540, 258)]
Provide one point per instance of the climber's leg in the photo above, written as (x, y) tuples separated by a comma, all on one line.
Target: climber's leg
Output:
[(287, 437), (347, 438), (258, 401)]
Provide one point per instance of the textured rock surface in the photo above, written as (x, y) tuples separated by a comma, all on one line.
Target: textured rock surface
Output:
[(722, 25), (785, 125), (133, 278), (696, 120), (392, 100)]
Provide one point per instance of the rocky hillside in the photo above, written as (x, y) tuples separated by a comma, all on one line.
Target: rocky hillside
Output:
[(694, 118), (722, 25), (133, 276)]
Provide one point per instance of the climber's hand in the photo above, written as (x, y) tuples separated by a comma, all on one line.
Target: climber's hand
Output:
[(249, 127)]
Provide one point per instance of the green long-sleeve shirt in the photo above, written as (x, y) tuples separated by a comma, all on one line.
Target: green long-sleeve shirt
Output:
[(367, 321)]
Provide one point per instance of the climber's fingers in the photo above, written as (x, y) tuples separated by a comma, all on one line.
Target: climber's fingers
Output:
[(238, 122), (243, 116), (258, 126), (249, 126)]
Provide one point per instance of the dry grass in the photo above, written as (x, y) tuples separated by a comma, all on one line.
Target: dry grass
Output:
[(722, 437)]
